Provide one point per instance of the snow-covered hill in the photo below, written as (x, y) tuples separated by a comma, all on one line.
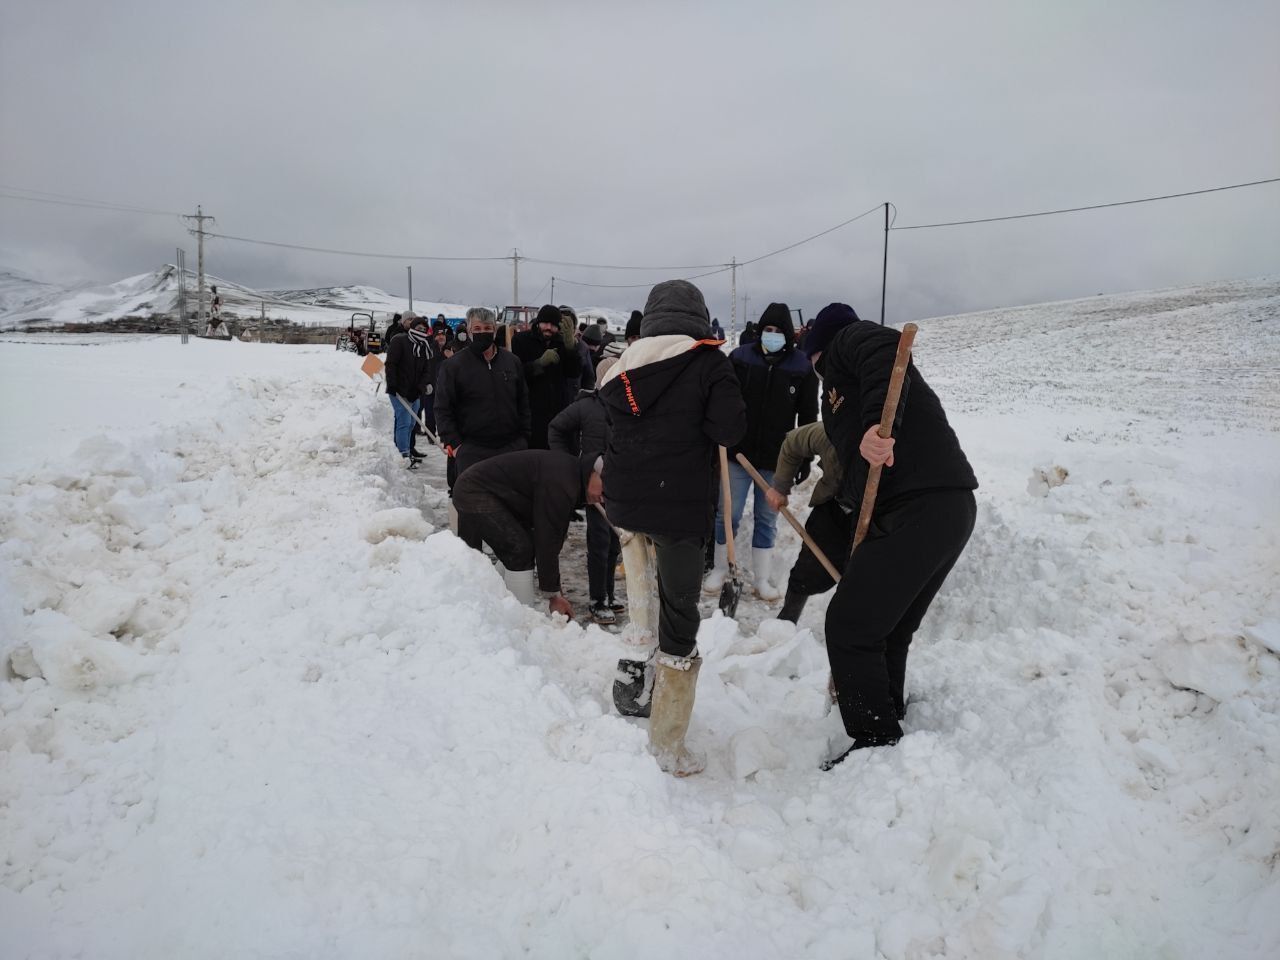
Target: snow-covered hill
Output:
[(20, 292), (155, 293), (254, 705)]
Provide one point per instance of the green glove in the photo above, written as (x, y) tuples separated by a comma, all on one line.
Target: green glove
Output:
[(567, 329), (550, 355)]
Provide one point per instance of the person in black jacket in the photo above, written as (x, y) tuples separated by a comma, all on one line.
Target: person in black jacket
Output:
[(781, 393), (671, 398), (520, 504), (394, 328), (582, 429), (924, 514), (408, 368), (482, 402), (549, 354)]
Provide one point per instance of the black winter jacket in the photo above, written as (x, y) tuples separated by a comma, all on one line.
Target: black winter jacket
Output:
[(781, 393), (538, 489), (670, 400), (410, 371), (480, 401), (855, 368), (581, 428), (546, 383)]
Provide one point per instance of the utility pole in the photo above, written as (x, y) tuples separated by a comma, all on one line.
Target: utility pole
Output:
[(199, 217), (884, 273), (410, 269), (746, 314), (181, 263), (733, 292), (553, 289), (515, 277)]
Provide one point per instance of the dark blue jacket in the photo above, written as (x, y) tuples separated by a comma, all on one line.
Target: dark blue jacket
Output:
[(781, 392)]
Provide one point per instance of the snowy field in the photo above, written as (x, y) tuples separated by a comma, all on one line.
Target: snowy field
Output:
[(276, 710)]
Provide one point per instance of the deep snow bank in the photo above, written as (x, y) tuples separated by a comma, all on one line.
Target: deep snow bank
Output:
[(269, 723)]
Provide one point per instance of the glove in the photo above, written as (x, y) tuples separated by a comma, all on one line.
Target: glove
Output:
[(806, 468), (549, 356), (567, 330)]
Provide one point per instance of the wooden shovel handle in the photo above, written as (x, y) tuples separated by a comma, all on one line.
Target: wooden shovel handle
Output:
[(804, 534), (886, 428), (726, 507)]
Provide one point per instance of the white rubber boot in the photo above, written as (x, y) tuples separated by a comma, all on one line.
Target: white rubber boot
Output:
[(675, 680), (762, 570), (520, 583), (718, 572), (642, 592)]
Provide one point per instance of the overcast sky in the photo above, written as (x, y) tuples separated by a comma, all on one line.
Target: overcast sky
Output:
[(649, 133)]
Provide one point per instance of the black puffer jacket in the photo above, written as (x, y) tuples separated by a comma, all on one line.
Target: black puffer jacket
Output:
[(780, 390), (855, 368), (546, 383), (671, 398), (480, 401), (581, 428), (411, 366)]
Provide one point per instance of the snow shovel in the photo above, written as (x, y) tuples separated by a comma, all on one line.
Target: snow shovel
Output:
[(886, 429), (731, 592), (420, 421), (796, 525)]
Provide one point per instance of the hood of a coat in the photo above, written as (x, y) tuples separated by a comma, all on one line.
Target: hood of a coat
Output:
[(676, 307), (647, 369)]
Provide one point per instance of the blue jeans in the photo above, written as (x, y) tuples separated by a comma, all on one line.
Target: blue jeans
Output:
[(766, 525), (404, 424)]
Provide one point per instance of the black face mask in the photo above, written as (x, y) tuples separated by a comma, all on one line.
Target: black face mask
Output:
[(480, 342)]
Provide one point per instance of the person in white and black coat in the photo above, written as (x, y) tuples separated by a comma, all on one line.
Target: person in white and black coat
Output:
[(672, 398), (924, 514)]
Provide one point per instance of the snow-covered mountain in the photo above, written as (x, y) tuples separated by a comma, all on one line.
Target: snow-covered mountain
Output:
[(31, 303)]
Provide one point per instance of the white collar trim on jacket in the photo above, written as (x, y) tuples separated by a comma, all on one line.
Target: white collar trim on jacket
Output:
[(650, 350)]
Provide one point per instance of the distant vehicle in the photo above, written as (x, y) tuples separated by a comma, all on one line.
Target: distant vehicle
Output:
[(359, 340), (518, 318)]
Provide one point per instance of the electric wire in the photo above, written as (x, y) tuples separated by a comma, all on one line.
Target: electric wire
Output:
[(614, 266), (792, 246), (353, 253), (1093, 206), (88, 204), (633, 286)]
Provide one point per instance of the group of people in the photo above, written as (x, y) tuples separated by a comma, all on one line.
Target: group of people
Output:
[(560, 418)]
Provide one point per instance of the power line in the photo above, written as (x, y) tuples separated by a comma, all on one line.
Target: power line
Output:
[(351, 253), (632, 286), (614, 266), (792, 246), (1094, 206), (88, 204)]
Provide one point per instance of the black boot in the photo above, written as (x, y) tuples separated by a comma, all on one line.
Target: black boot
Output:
[(792, 606)]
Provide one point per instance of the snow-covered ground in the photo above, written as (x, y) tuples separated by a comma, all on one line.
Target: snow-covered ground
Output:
[(268, 728)]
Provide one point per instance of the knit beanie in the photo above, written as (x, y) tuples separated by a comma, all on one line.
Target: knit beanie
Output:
[(633, 325), (775, 315), (593, 334), (548, 314), (830, 320), (676, 307)]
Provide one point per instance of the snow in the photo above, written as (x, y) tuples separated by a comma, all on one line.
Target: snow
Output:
[(262, 703), (25, 302)]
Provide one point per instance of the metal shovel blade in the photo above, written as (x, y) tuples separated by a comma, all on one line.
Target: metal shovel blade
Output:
[(731, 593)]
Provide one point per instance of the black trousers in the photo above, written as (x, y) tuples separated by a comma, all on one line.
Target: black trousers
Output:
[(886, 588), (602, 556), (679, 576), (506, 536), (832, 530)]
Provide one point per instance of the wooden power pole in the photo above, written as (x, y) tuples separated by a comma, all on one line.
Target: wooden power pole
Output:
[(200, 217)]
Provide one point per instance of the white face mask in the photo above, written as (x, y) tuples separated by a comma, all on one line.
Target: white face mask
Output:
[(773, 342)]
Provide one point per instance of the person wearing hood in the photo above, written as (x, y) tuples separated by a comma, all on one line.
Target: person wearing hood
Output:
[(408, 372), (520, 504), (549, 355), (582, 429), (924, 513), (781, 393), (672, 398)]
